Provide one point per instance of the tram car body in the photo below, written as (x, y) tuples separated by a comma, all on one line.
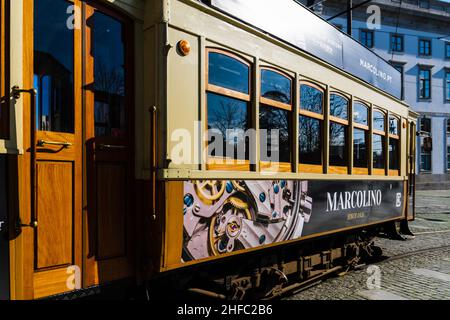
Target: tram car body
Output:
[(106, 174)]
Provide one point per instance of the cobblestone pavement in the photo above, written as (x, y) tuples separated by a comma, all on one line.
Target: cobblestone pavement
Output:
[(421, 276)]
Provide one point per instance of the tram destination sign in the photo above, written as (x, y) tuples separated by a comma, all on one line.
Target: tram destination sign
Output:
[(222, 216), (4, 244), (291, 22)]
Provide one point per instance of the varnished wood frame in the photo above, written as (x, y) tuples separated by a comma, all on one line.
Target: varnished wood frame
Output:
[(394, 172), (349, 140), (266, 166), (217, 163), (312, 168), (366, 128), (4, 68), (115, 270)]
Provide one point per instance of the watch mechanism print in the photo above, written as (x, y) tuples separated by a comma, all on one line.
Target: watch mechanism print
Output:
[(223, 216)]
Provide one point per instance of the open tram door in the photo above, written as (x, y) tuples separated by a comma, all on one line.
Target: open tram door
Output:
[(411, 165)]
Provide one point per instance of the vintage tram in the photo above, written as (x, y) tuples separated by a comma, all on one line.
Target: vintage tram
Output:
[(116, 122)]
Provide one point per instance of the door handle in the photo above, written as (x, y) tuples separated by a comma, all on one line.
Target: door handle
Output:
[(111, 146), (42, 143)]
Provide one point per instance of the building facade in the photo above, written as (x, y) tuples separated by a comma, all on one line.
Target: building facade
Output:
[(414, 36)]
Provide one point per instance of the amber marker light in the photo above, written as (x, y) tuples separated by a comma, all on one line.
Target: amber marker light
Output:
[(184, 47)]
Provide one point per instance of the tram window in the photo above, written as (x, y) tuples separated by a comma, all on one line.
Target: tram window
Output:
[(360, 114), (360, 148), (338, 144), (310, 141), (273, 118), (228, 106), (53, 66), (338, 106), (228, 72), (4, 107), (393, 154), (275, 114), (311, 126), (275, 86), (378, 151), (393, 126), (338, 130), (378, 121), (311, 99)]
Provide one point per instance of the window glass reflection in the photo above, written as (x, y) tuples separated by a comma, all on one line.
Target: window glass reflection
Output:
[(378, 120), (338, 106), (310, 141), (230, 118), (274, 118), (393, 126), (360, 113), (53, 66), (360, 148), (378, 151), (311, 99), (338, 143), (393, 154), (227, 72), (275, 86)]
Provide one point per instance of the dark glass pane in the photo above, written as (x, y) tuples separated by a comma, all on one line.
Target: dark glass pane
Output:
[(338, 144), (447, 86), (393, 154), (425, 162), (311, 99), (230, 118), (360, 148), (360, 113), (425, 124), (53, 66), (338, 106), (393, 126), (378, 121), (310, 141), (109, 75), (378, 151), (274, 118), (275, 86), (228, 72)]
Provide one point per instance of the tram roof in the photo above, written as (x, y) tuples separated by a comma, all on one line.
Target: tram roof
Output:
[(293, 23)]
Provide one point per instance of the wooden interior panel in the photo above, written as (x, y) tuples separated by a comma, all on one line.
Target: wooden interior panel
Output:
[(111, 210), (54, 214)]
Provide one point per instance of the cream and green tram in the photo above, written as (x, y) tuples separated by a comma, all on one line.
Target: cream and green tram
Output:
[(152, 141)]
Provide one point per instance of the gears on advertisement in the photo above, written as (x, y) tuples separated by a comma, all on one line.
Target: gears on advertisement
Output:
[(222, 216)]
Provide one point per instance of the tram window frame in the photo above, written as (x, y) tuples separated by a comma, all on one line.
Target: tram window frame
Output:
[(358, 170), (394, 138), (379, 134), (223, 162), (4, 77), (265, 102), (311, 115), (340, 121)]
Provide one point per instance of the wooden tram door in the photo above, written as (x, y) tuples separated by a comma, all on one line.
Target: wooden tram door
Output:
[(77, 220), (109, 148)]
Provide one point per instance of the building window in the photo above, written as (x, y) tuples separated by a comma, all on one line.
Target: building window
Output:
[(424, 47), (399, 68), (396, 43), (447, 50), (448, 145), (447, 86), (4, 100), (424, 4), (367, 38), (338, 131), (394, 143), (228, 106), (275, 113), (425, 145), (424, 83), (360, 139), (311, 127), (378, 141)]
